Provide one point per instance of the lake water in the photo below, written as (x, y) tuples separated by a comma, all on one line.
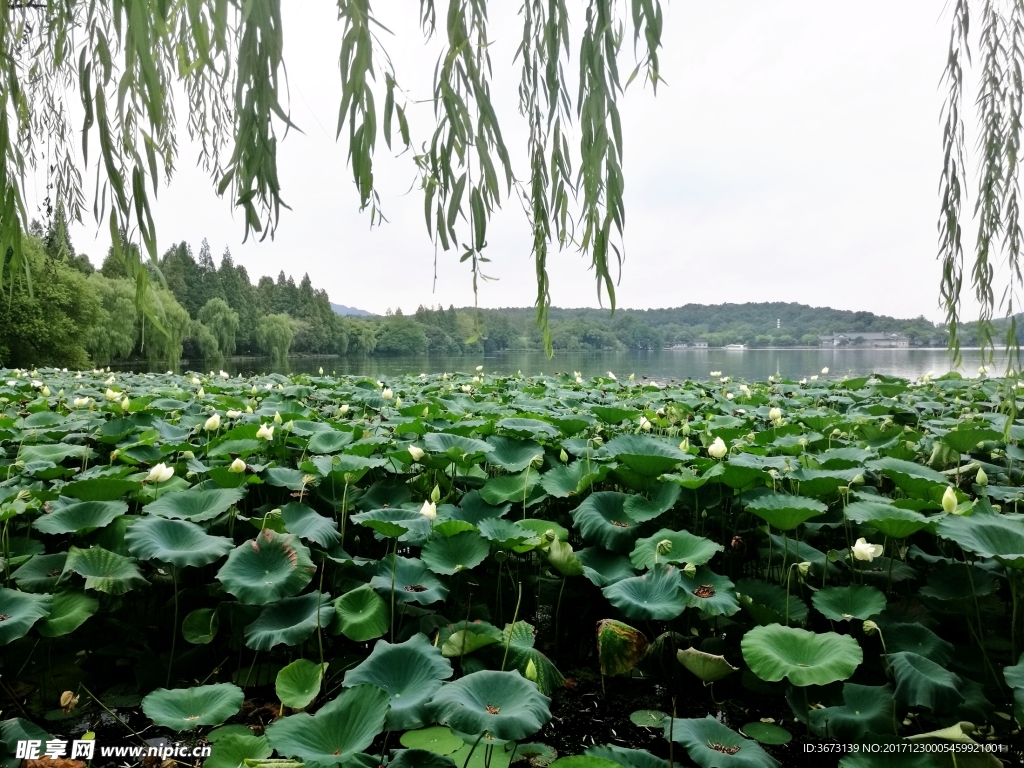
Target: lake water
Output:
[(750, 364)]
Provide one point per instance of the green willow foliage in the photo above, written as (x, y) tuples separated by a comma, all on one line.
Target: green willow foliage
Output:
[(127, 60)]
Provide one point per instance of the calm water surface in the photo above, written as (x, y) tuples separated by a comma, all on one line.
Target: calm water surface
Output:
[(750, 364)]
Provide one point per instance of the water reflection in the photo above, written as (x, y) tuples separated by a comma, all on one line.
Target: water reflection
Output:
[(663, 364)]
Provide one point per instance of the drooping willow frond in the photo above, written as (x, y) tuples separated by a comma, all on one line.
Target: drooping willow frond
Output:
[(123, 61)]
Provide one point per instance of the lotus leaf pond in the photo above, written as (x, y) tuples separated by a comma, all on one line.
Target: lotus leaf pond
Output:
[(482, 570)]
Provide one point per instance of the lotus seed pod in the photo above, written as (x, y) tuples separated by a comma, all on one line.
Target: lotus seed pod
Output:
[(690, 570), (832, 556), (663, 547), (500, 556), (548, 536), (804, 568), (982, 478), (870, 627), (857, 480)]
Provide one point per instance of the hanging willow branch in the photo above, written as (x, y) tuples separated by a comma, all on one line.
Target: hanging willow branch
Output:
[(124, 61)]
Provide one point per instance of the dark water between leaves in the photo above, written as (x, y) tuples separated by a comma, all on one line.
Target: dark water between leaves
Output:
[(750, 364)]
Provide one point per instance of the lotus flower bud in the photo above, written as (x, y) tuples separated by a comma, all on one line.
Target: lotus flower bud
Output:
[(435, 495), (775, 414), (548, 536), (982, 478), (213, 423), (685, 429), (685, 445), (870, 627), (531, 671), (690, 570), (563, 456), (663, 547), (111, 394), (187, 455), (321, 370), (425, 412), (718, 449), (416, 452), (824, 371), (254, 391), (237, 466), (125, 403), (265, 432), (387, 394), (398, 402), (248, 409), (160, 473), (804, 568), (949, 500), (277, 418), (429, 510), (233, 414)]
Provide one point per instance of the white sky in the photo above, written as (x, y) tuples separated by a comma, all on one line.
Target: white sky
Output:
[(793, 156)]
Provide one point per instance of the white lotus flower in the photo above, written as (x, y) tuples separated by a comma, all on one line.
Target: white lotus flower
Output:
[(160, 473), (82, 402), (814, 377), (110, 380), (716, 374), (265, 432), (611, 376), (45, 391), (237, 466), (125, 404), (949, 500), (718, 449), (476, 380), (343, 409), (416, 452), (321, 370), (248, 409), (429, 510), (200, 393), (398, 402), (466, 388), (579, 379), (803, 381), (212, 423), (233, 414), (269, 385), (864, 551), (111, 394), (775, 414), (729, 395), (277, 418), (387, 394), (645, 424), (824, 371), (479, 368), (195, 381), (982, 478)]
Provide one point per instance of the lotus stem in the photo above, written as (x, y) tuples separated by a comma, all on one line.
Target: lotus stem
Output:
[(515, 616), (472, 750), (174, 628), (111, 713), (558, 615)]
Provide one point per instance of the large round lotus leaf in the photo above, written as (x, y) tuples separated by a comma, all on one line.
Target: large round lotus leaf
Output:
[(464, 450), (289, 621), (766, 733), (410, 580), (785, 512), (663, 499), (682, 547), (504, 705), (657, 594), (710, 593), (177, 542), (649, 456), (531, 427), (19, 611), (185, 709), (852, 602), (81, 516), (392, 523), (70, 610), (604, 568), (267, 568), (601, 518), (437, 739), (41, 573), (339, 730), (450, 555), (505, 534), (572, 479), (889, 520), (231, 750), (535, 754), (627, 758), (411, 672), (510, 488), (305, 523), (775, 652), (360, 615), (540, 527), (997, 536), (921, 682), (200, 626), (299, 683), (196, 504), (713, 745), (518, 638), (104, 571), (419, 758), (865, 709), (769, 603), (465, 640), (619, 646), (706, 666), (513, 455), (647, 718)]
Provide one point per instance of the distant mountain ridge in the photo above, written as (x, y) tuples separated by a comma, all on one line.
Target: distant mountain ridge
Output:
[(341, 309)]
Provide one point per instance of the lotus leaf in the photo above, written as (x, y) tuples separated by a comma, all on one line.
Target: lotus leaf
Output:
[(437, 739), (267, 568), (518, 638), (200, 626), (996, 536), (601, 518), (82, 516), (573, 479), (305, 523), (713, 745), (604, 568), (299, 683), (411, 672), (459, 552), (289, 621), (41, 573), (419, 758), (197, 504), (888, 519), (20, 610), (513, 455), (851, 602), (510, 488), (360, 615), (627, 758), (662, 500), (408, 580), (682, 547), (234, 749), (775, 652), (177, 542), (69, 611), (103, 570), (784, 511), (920, 682), (185, 709), (504, 705), (707, 667), (711, 594), (657, 594), (865, 709)]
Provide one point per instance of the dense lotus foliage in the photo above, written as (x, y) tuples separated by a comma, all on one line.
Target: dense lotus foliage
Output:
[(425, 557)]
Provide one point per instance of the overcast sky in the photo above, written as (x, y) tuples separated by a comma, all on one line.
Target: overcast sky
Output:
[(793, 156)]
